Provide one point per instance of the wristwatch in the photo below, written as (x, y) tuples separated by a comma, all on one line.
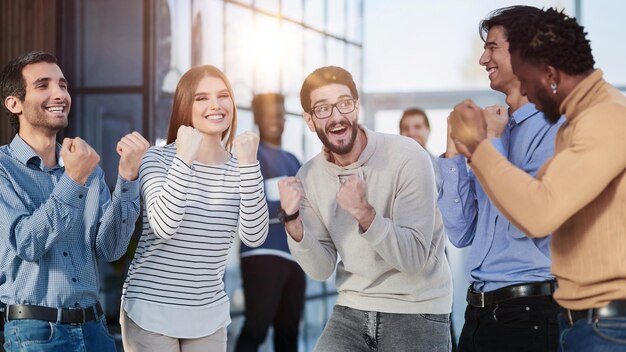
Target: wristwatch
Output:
[(284, 218)]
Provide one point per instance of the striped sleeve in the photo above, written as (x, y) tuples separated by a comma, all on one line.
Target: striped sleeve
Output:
[(164, 190), (253, 213)]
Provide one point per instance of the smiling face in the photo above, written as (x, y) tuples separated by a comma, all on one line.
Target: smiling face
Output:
[(212, 111), (47, 102), (497, 60), (337, 132), (415, 127), (270, 118)]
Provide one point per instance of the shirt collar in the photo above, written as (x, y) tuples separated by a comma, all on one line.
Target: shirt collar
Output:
[(25, 154), (524, 112)]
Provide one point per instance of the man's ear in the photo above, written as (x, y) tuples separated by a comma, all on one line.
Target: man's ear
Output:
[(13, 104), (308, 118), (553, 75)]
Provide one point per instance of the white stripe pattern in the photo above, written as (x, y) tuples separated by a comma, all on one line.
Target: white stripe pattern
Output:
[(190, 218)]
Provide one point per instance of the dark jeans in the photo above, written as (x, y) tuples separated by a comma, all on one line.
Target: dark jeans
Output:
[(274, 295), (522, 324), (603, 335)]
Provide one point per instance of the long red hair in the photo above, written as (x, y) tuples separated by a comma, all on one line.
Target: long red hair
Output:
[(184, 98)]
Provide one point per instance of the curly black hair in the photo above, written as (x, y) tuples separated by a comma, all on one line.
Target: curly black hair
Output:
[(552, 38)]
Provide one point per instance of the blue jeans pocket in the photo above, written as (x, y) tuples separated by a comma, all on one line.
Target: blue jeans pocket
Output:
[(612, 330)]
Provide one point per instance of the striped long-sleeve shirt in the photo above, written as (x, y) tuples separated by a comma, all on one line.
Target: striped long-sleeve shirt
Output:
[(191, 215)]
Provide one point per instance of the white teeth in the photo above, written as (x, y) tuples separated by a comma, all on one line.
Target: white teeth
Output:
[(492, 70), (55, 109), (337, 129), (215, 117)]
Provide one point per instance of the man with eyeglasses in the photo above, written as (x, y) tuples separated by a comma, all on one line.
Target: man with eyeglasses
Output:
[(393, 280)]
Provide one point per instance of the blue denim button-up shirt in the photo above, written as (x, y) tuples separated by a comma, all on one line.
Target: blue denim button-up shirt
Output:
[(500, 254), (53, 230)]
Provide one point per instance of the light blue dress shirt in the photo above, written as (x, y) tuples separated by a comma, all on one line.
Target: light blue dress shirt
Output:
[(53, 230), (500, 254)]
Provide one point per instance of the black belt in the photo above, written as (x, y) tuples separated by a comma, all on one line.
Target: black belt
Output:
[(614, 309), (491, 298), (67, 316)]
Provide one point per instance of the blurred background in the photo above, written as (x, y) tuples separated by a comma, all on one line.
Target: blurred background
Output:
[(123, 59)]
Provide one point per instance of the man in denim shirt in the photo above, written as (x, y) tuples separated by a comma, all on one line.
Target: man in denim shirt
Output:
[(57, 215), (510, 307)]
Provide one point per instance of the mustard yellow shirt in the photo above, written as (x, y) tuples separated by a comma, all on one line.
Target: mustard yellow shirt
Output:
[(579, 195)]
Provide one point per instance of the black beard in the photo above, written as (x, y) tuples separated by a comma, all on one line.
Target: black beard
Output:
[(339, 149)]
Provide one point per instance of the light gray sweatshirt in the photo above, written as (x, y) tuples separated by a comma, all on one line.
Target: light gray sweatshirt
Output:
[(396, 266)]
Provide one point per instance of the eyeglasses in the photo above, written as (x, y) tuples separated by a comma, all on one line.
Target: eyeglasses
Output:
[(323, 111)]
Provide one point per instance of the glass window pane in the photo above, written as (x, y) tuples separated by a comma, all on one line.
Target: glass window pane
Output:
[(336, 17), (111, 56), (239, 52), (211, 12), (111, 116), (335, 52), (270, 6), (267, 47), (314, 56), (293, 73), (292, 9), (353, 63), (600, 18), (354, 20), (314, 14), (292, 135)]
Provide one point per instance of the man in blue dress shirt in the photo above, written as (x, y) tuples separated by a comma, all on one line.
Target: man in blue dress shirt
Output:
[(57, 215), (510, 307)]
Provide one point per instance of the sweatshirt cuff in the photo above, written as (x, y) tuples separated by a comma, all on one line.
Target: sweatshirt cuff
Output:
[(303, 246), (377, 231)]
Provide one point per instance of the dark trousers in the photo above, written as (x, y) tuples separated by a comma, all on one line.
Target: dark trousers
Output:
[(274, 295), (522, 324)]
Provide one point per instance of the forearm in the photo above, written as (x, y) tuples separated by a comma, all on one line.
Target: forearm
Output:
[(253, 213), (118, 221), (34, 234)]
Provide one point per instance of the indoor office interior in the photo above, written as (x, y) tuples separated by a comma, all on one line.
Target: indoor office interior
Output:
[(123, 59)]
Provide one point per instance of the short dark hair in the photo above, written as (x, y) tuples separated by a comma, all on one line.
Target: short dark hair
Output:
[(324, 76), (505, 17), (552, 38), (263, 98), (412, 112), (12, 82)]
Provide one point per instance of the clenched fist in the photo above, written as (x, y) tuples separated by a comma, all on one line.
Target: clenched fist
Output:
[(188, 142), (131, 149), (352, 197), (246, 145), (497, 117), (291, 194), (79, 158), (468, 127)]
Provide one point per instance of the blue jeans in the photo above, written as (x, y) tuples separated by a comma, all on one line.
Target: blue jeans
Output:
[(356, 330), (39, 335), (604, 335)]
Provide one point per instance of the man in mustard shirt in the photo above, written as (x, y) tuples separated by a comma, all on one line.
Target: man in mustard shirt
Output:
[(580, 193)]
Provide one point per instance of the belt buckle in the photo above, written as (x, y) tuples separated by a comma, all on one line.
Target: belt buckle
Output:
[(482, 300), (84, 316), (472, 299)]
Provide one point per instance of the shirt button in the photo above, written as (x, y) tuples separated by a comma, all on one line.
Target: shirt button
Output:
[(124, 221), (124, 190), (80, 196), (456, 200), (73, 279), (76, 304), (65, 254), (453, 169)]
